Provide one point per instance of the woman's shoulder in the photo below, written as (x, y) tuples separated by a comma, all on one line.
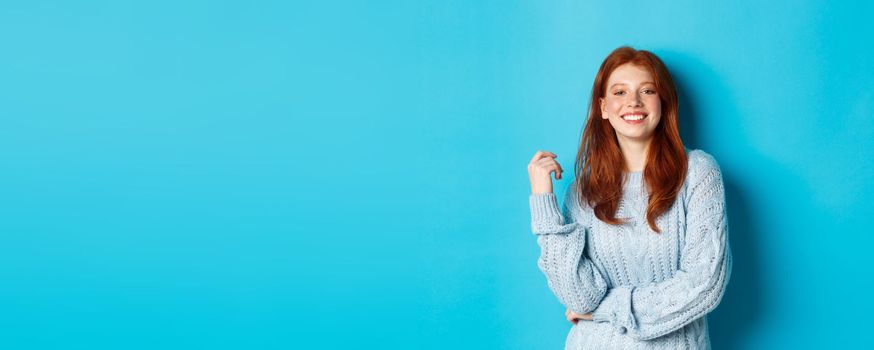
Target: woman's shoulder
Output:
[(572, 193), (578, 210), (701, 162), (573, 196), (700, 159), (701, 166)]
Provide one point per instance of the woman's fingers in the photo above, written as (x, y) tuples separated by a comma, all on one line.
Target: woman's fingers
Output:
[(541, 154), (574, 317), (540, 171), (550, 165)]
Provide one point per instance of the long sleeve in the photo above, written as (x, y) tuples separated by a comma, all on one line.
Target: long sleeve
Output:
[(571, 276), (656, 309)]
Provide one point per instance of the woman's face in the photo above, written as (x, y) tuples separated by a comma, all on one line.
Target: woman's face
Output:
[(631, 103)]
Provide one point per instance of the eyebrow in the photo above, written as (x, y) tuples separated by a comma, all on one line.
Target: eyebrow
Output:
[(646, 82)]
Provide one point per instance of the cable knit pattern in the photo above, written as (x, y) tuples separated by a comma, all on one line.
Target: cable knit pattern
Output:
[(645, 290)]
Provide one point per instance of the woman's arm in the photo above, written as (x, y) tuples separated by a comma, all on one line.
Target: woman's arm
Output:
[(570, 275), (650, 311)]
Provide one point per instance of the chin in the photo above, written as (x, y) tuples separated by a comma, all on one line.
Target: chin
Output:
[(638, 136)]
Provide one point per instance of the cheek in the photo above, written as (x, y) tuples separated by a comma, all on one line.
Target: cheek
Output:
[(613, 107), (654, 103), (655, 107)]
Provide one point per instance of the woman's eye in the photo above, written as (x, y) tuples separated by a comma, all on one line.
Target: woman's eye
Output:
[(649, 91), (620, 92)]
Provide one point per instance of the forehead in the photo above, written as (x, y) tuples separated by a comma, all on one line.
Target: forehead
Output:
[(629, 74)]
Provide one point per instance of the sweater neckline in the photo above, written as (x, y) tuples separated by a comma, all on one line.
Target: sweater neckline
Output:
[(634, 179)]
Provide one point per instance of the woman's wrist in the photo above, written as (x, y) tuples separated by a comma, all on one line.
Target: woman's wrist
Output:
[(541, 188)]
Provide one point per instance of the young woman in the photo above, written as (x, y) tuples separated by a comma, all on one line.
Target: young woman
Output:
[(639, 251)]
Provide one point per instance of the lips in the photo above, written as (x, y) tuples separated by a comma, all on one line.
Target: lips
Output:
[(634, 117)]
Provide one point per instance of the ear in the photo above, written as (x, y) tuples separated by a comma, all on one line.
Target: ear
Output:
[(603, 108)]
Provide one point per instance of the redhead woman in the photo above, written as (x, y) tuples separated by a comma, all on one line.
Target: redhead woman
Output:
[(638, 251)]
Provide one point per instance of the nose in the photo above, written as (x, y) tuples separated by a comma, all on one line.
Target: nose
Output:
[(634, 100)]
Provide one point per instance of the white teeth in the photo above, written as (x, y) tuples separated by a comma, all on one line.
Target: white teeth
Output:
[(633, 117)]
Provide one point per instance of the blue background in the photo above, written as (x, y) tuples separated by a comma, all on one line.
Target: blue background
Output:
[(333, 175)]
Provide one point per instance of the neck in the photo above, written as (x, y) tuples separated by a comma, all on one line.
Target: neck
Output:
[(634, 153)]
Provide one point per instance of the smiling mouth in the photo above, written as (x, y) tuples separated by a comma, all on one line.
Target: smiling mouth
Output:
[(633, 117)]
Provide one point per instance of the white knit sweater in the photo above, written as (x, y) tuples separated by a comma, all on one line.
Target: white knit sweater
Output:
[(645, 290)]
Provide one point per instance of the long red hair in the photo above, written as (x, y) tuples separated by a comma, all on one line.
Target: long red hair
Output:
[(600, 166)]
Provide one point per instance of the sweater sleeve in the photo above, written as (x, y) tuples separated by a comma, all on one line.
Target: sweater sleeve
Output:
[(571, 276), (656, 309)]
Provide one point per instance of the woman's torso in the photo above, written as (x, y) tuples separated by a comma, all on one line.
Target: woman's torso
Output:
[(632, 254)]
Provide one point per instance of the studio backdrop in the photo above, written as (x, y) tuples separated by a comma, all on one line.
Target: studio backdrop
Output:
[(352, 174)]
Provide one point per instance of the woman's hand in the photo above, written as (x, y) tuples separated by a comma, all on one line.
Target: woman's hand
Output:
[(573, 317), (539, 169)]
